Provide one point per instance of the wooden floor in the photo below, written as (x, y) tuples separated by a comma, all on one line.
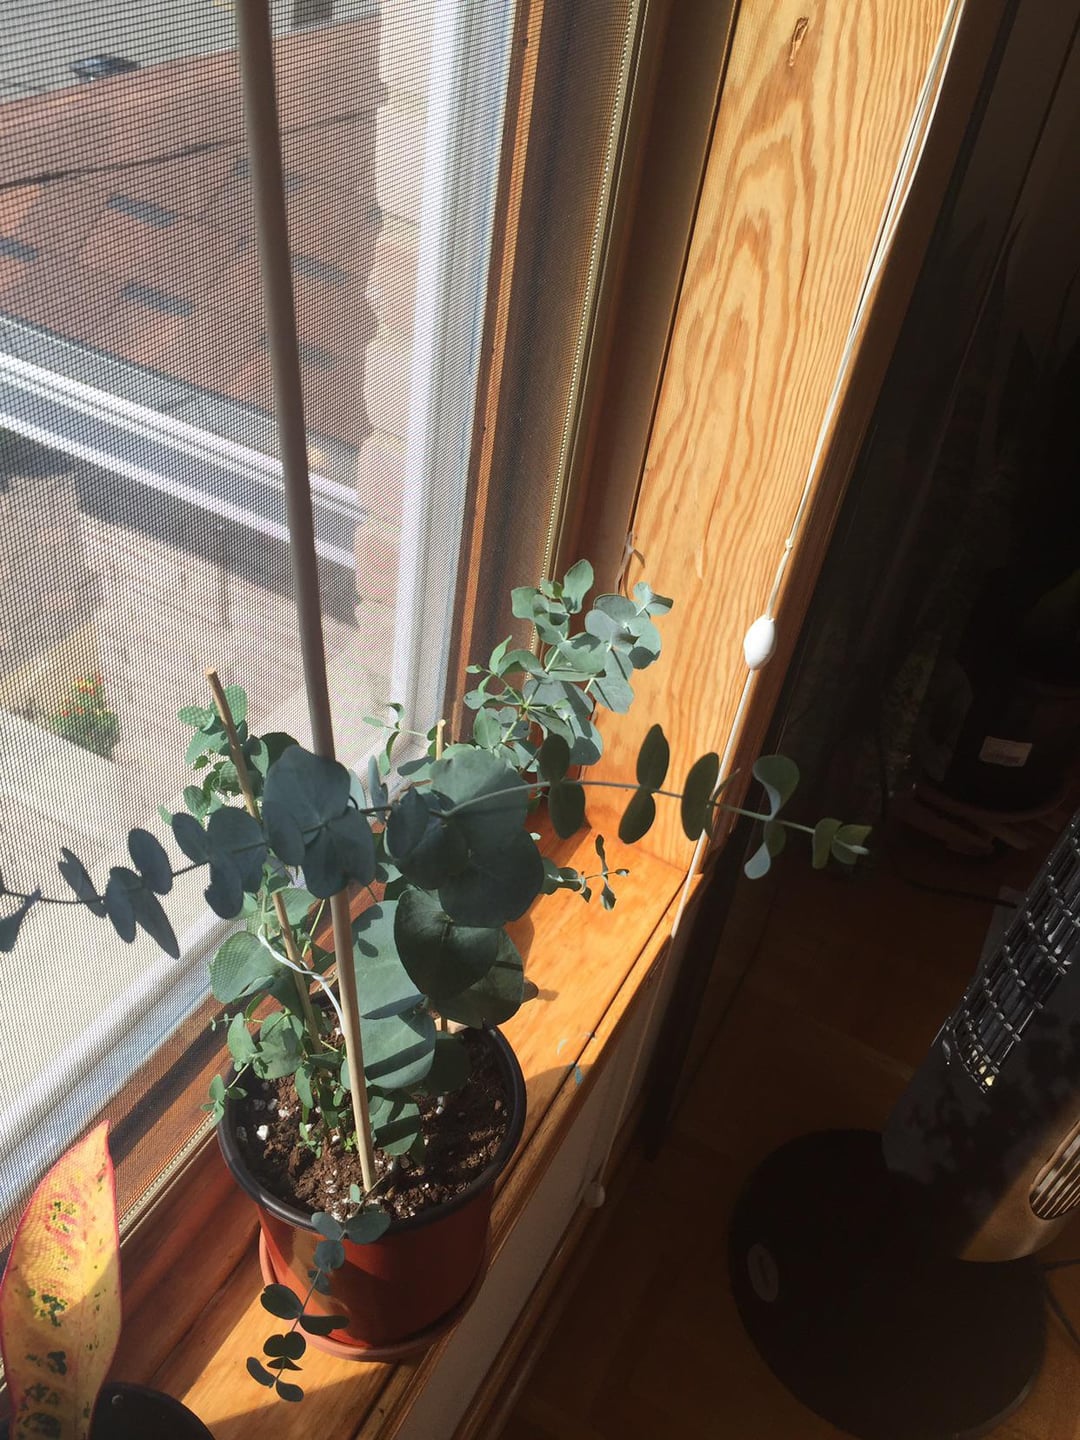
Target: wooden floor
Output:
[(844, 991)]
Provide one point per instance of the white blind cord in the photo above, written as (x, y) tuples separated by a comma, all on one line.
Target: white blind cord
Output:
[(760, 641)]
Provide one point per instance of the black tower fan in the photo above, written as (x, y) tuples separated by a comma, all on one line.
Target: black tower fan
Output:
[(886, 1279)]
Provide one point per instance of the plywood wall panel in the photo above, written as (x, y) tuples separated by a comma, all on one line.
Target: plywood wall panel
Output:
[(819, 102)]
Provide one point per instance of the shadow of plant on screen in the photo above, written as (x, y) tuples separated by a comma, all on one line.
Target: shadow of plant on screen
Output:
[(442, 844)]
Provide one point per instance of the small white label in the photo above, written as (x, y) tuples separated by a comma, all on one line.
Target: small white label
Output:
[(1005, 752)]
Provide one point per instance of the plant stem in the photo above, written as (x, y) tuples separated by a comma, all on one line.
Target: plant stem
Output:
[(546, 785), (313, 927), (236, 753), (765, 819), (354, 1055), (625, 785)]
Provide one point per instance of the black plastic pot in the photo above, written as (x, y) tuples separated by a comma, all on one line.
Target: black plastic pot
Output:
[(402, 1291), (132, 1412)]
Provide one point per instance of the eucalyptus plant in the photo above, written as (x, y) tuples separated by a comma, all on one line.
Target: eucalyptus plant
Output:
[(441, 849)]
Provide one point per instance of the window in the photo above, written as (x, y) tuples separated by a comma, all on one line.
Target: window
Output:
[(144, 533)]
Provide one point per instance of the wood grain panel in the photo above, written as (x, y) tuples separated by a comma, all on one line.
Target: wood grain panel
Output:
[(652, 228), (818, 103)]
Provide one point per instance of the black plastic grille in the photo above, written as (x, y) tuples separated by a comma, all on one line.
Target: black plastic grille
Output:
[(1020, 977)]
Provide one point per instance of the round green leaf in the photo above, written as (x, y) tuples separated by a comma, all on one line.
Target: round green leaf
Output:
[(553, 759), (426, 847), (195, 715), (646, 648), (438, 953), (382, 982), (368, 1226), (577, 583), (847, 843), (487, 732), (779, 777), (398, 1050), (341, 851), (759, 862), (283, 834), (327, 1226), (406, 824), (302, 1084), (396, 1124), (242, 966), (500, 882), (354, 847), (495, 997), (235, 837), (212, 739), (821, 844), (613, 689), (450, 1068), (329, 1255), (579, 658), (297, 902), (242, 1045), (312, 788), (648, 600), (237, 702), (485, 795), (280, 1046)]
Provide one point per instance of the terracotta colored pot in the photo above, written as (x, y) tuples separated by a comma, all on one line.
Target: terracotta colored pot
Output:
[(397, 1291), (132, 1412)]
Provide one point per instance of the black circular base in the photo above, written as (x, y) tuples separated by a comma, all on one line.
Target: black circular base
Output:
[(132, 1412), (857, 1319)]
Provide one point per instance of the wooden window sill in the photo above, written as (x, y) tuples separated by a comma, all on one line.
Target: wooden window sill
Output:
[(589, 967)]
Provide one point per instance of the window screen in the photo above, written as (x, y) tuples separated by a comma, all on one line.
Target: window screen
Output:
[(142, 517)]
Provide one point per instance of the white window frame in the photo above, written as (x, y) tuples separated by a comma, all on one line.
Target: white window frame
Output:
[(58, 408)]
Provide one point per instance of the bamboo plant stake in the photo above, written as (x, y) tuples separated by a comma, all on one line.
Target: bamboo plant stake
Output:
[(256, 57), (244, 780)]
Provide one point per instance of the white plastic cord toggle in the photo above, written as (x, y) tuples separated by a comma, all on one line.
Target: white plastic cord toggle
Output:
[(594, 1195), (760, 642)]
